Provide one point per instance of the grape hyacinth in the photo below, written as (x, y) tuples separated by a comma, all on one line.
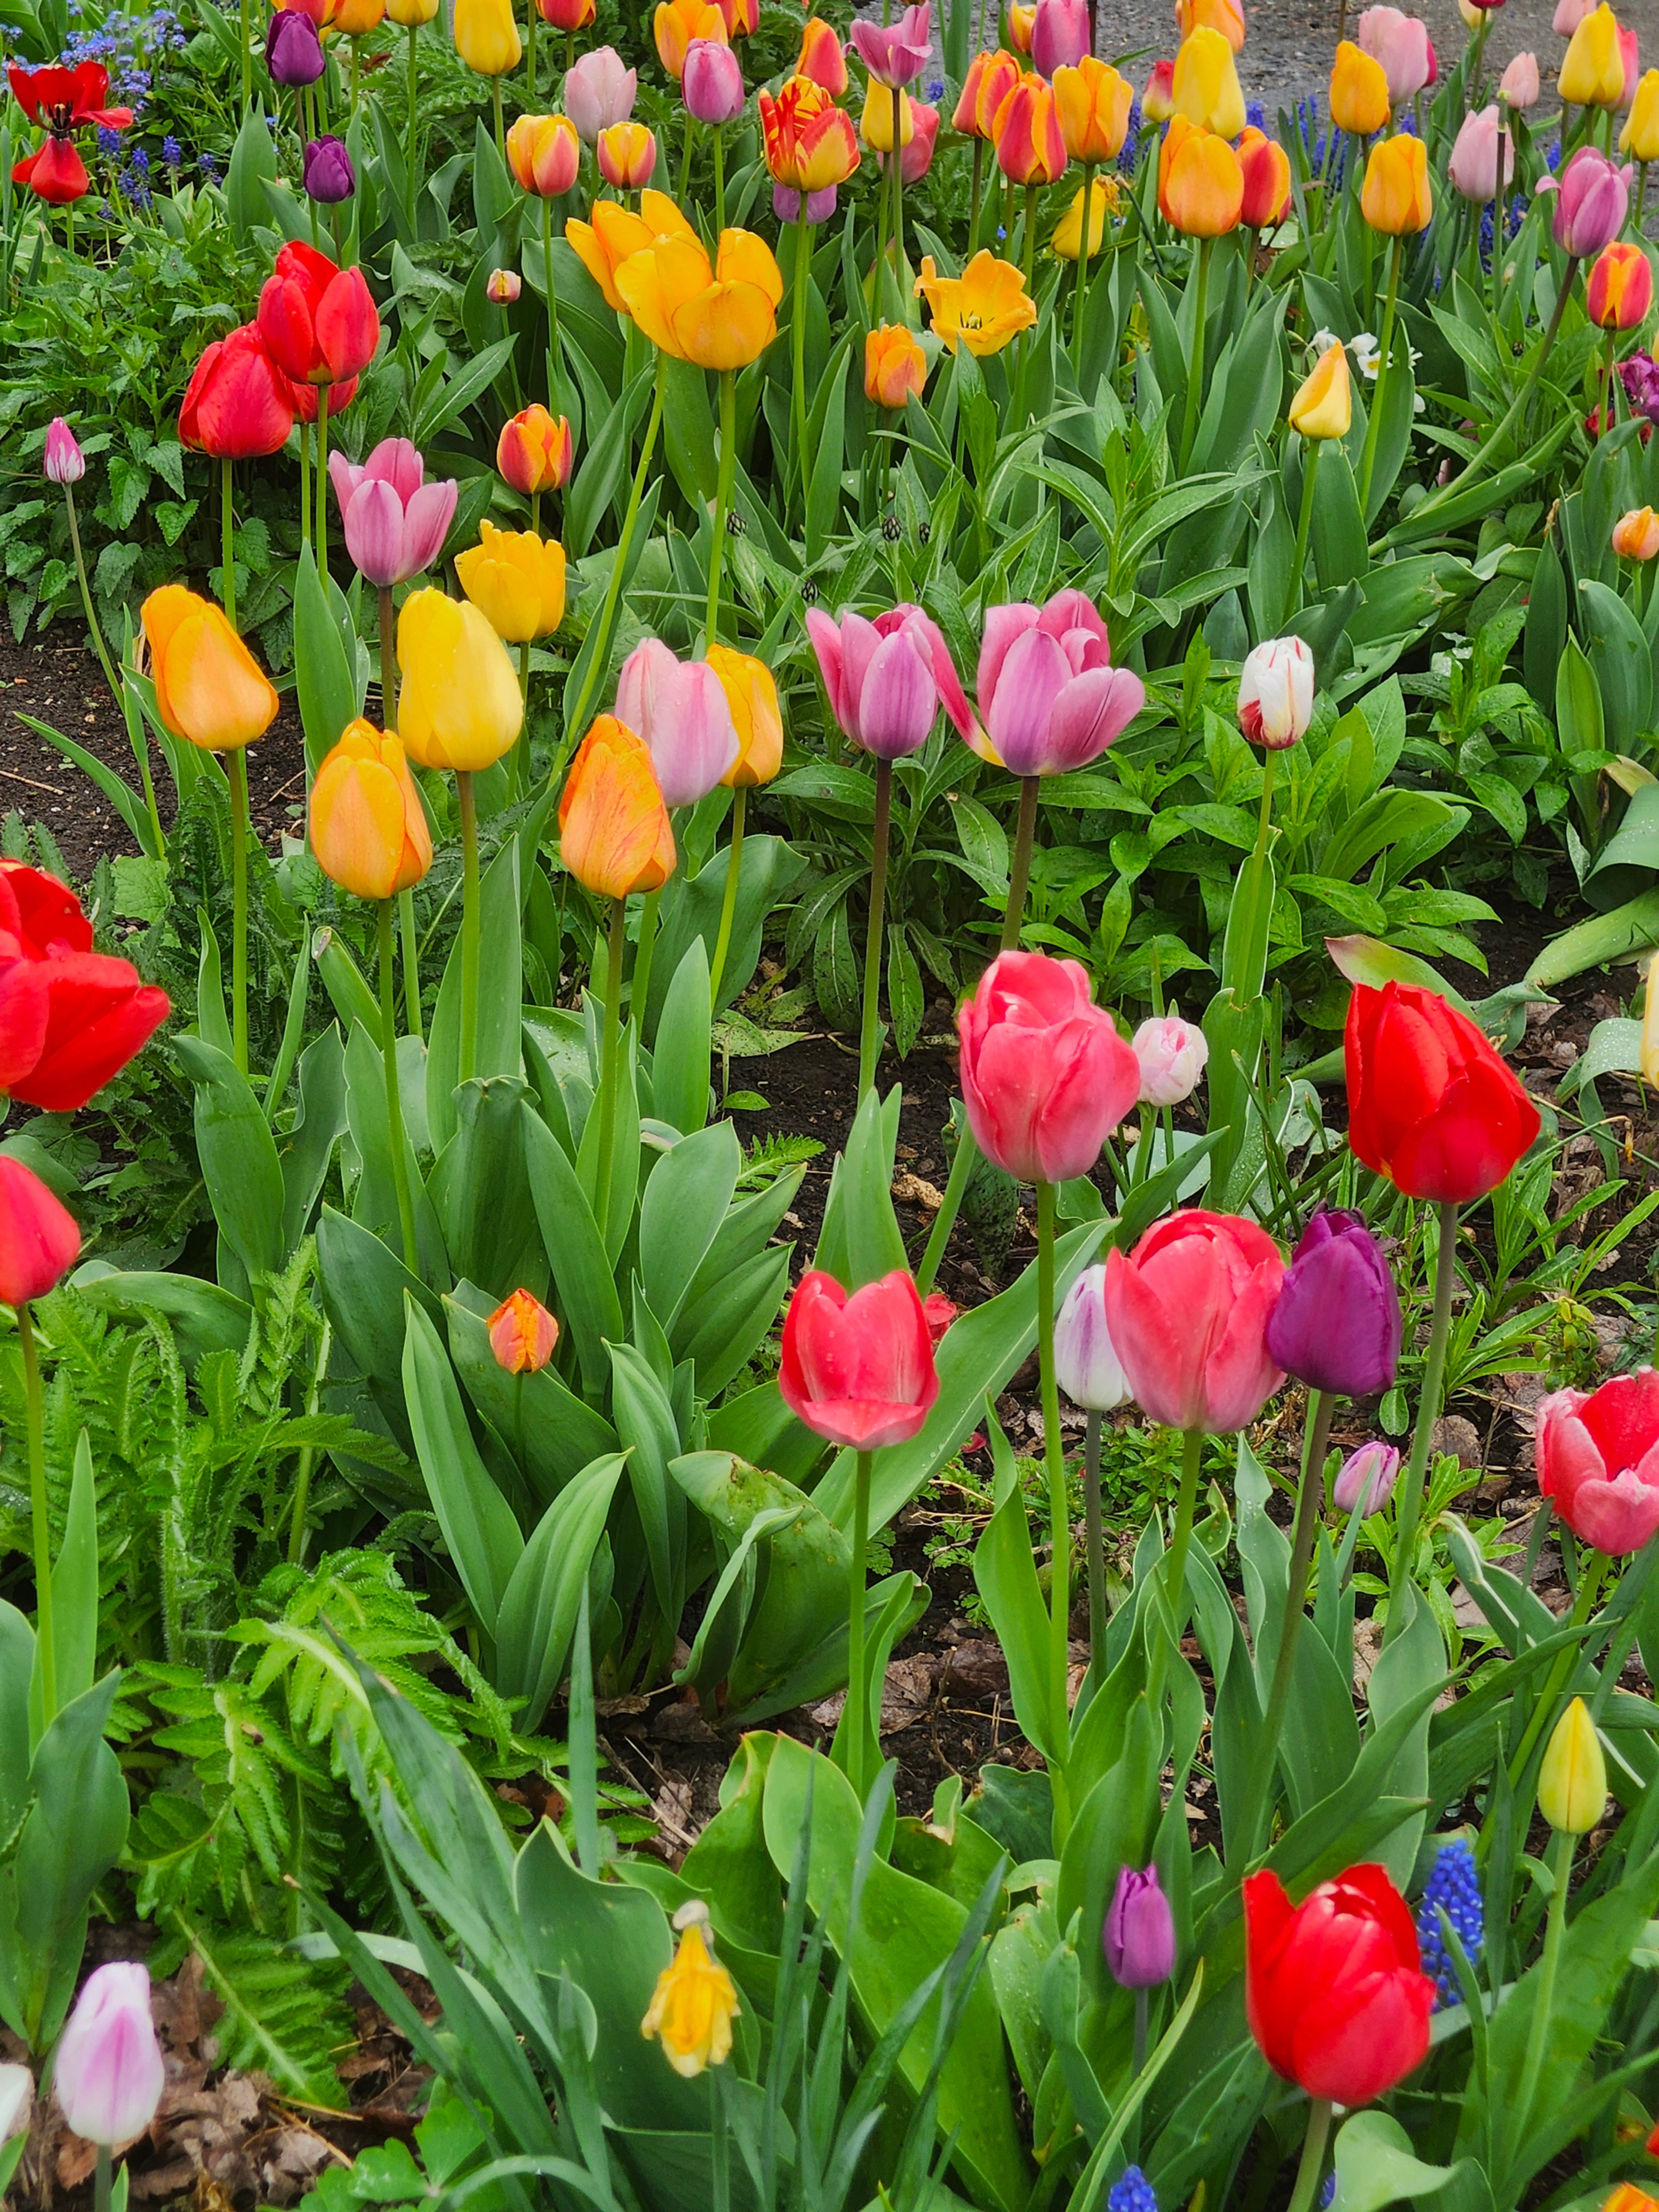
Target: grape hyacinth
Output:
[(1133, 2194), (1453, 1887), (1129, 152)]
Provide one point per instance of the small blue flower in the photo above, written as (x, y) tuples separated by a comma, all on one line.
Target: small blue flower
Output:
[(1133, 2194), (172, 152), (1326, 2194), (936, 89), (1453, 1887), (140, 160), (109, 141), (209, 167), (1001, 233), (1255, 115)]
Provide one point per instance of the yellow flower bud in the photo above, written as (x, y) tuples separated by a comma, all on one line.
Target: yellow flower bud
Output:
[(1323, 404), (459, 706), (695, 2003), (1572, 1783)]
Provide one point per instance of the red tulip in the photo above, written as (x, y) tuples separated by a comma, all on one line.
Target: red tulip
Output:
[(307, 404), (70, 1017), (319, 320), (1333, 1989), (54, 173), (38, 1240), (1431, 1105), (238, 404), (1187, 1312), (63, 100), (1045, 1075), (1598, 1458), (858, 1370)]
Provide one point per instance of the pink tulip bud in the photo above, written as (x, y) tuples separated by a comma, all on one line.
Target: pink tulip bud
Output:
[(1474, 166), (1364, 1481), (1569, 15), (65, 463), (599, 91), (108, 2074), (1630, 54), (887, 680), (1188, 1310), (503, 286), (1139, 1935), (894, 53), (1090, 1371), (681, 710), (711, 82), (1060, 35), (1518, 87), (1275, 693), (395, 522), (40, 1242), (1401, 43), (1593, 199), (1172, 1055)]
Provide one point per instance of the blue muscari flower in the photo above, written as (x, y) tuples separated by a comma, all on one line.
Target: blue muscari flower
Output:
[(936, 89), (172, 152), (1326, 2194), (140, 160), (106, 212), (1129, 152), (1001, 231), (1552, 155), (1255, 115), (1453, 1887), (209, 167), (1133, 2194), (109, 141)]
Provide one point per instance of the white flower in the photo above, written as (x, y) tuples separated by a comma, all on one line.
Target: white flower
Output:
[(1275, 693)]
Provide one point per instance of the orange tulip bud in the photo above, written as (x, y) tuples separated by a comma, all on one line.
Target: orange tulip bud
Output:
[(1200, 185), (534, 451), (1619, 290), (823, 57), (208, 687), (1266, 169), (614, 837), (627, 155), (1359, 91), (677, 22), (545, 153), (752, 696), (1092, 102), (895, 366), (522, 1335), (991, 77), (1030, 147), (369, 829), (1396, 198), (1636, 535), (809, 142)]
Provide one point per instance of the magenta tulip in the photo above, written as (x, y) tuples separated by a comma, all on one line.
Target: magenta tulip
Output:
[(1593, 199), (1045, 1076), (63, 462), (858, 1370), (1138, 1933), (1060, 35), (895, 53), (327, 172), (395, 522), (108, 2072), (1187, 1310), (887, 680), (1337, 1324), (681, 710), (1050, 699), (711, 82), (1598, 1460), (1364, 1481), (294, 48)]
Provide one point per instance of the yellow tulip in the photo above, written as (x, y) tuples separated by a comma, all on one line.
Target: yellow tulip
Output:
[(1200, 183), (459, 705), (617, 233), (1396, 198), (876, 124), (615, 835), (1573, 1782), (1323, 404), (1067, 242), (678, 22), (487, 36), (1640, 136), (1092, 102), (208, 687), (517, 579), (695, 2004), (1593, 67), (752, 696), (986, 307), (1206, 88), (722, 317), (410, 15), (369, 829), (1359, 91)]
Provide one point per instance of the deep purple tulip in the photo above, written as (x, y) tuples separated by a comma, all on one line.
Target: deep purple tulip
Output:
[(329, 176), (1060, 35), (395, 522), (294, 50), (1139, 1935), (1337, 1324), (1640, 378)]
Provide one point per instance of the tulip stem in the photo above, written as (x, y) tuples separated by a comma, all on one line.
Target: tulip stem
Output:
[(1313, 2154), (552, 307), (945, 1220), (798, 342), (722, 503), (1192, 1452), (600, 661), (1409, 1497), (103, 2174), (978, 186), (322, 485), (1368, 462), (531, 12), (1561, 1848), (1143, 2006), (1264, 820), (305, 483), (895, 162), (239, 905), (609, 1035), (394, 1109), (729, 903), (501, 130), (247, 58), (34, 1421), (644, 956), (1316, 1436), (1561, 1673), (1080, 291), (1094, 1542), (858, 1683), (408, 150), (1019, 873), (469, 922), (1196, 374), (870, 1030), (719, 183), (98, 647), (1313, 447), (1059, 1518)]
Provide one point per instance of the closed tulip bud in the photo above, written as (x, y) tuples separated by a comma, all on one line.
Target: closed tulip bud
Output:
[(1401, 43), (1364, 1481), (1226, 16), (108, 2072), (628, 155), (1359, 91), (16, 2095), (1569, 15), (503, 286), (722, 315), (1065, 240), (533, 452), (567, 16), (1206, 89), (1188, 1310), (1323, 403), (1266, 169), (1592, 200), (1472, 169), (522, 1335), (1138, 1933), (327, 173), (679, 708), (817, 207), (238, 404), (990, 78), (1640, 138), (459, 705), (1158, 100), (487, 36), (208, 688), (1200, 185), (395, 522), (545, 153), (294, 51), (369, 829), (1092, 102), (1275, 693), (858, 1370), (1173, 1055), (63, 462), (1518, 87), (517, 579), (1337, 1325), (410, 15), (985, 308), (1060, 35), (678, 22), (615, 835), (1395, 199), (1636, 538), (695, 2000), (1045, 1076), (1619, 288), (823, 58), (751, 696), (1593, 67), (895, 366), (599, 91), (1088, 1369), (38, 1240), (355, 19), (1334, 1991), (711, 83), (1629, 55), (1022, 23), (1573, 1782), (887, 680), (875, 122)]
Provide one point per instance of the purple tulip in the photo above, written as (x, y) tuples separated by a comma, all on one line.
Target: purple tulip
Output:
[(895, 53), (1089, 1370), (294, 50), (1364, 1481), (1336, 1325), (1139, 1935), (1060, 35), (1593, 200), (711, 82), (1640, 378), (395, 521), (108, 2072), (63, 462), (328, 174), (887, 680), (1049, 698), (681, 710), (599, 91), (785, 205)]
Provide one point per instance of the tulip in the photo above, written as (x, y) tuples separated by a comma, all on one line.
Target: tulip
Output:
[(1188, 1310), (1066, 239), (1598, 1460), (796, 207), (894, 53), (40, 1242), (1200, 185), (741, 17), (599, 91), (16, 2095), (533, 452), (679, 708), (1359, 91), (1431, 1105), (238, 403), (1093, 103), (545, 153), (369, 829), (1337, 1325), (1592, 200), (917, 157), (459, 705), (1266, 169), (616, 234), (108, 2072), (1472, 169), (695, 2002), (751, 696), (887, 680), (567, 16), (522, 1335), (306, 407), (1636, 538), (711, 83), (1364, 1481), (1569, 15), (355, 19), (327, 174), (516, 578), (614, 837), (1060, 35), (895, 366), (628, 155), (63, 99), (719, 317), (319, 321), (986, 307), (991, 77), (502, 288), (1158, 100), (1046, 1077), (1618, 291), (1629, 55), (823, 58), (1572, 1782), (410, 15), (1226, 16), (1030, 148), (1206, 88), (1333, 1990), (876, 120), (1089, 1370), (1396, 198), (64, 462), (395, 522), (294, 51), (1050, 699), (1172, 1056), (1518, 87), (1593, 67), (1275, 693), (1138, 1933), (208, 688), (1640, 136), (70, 1017), (487, 36), (809, 142), (1322, 405), (1401, 43), (677, 23), (1022, 23), (858, 1370)]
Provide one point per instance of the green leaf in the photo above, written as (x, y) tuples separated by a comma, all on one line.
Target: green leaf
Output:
[(238, 1155), (538, 1616), (581, 1268), (253, 161), (685, 1202), (476, 1520), (324, 676), (1375, 2166)]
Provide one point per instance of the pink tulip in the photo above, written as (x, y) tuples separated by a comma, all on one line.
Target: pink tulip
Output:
[(1172, 1055), (1401, 43), (599, 91), (1518, 87), (711, 82), (1630, 54), (1187, 1310), (1598, 1459), (64, 461), (681, 710), (1593, 200), (108, 2073), (1045, 1076), (1050, 699), (395, 522), (1060, 35), (894, 53), (1569, 15), (858, 1370), (918, 156), (1364, 1481), (1474, 166), (887, 680)]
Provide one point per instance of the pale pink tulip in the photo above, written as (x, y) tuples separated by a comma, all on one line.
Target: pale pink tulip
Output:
[(108, 2072), (681, 710), (599, 91), (395, 522)]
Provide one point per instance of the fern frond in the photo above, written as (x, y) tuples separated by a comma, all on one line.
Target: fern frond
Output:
[(283, 2014)]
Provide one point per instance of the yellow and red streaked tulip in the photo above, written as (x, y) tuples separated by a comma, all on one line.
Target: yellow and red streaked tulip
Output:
[(675, 25), (1092, 102), (534, 451), (1636, 538), (875, 123), (459, 705), (1359, 91), (895, 366), (823, 58), (985, 308), (615, 232), (1322, 404), (1226, 16), (516, 580), (208, 687), (752, 696), (809, 142), (1618, 291), (627, 155), (1066, 241), (1266, 169), (1158, 100), (369, 828), (522, 1335), (615, 835), (1030, 146), (1200, 185), (545, 153), (1206, 88), (991, 77), (722, 316), (487, 36), (1396, 198)]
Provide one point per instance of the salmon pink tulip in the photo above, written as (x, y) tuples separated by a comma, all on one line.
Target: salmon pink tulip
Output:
[(858, 1370), (1598, 1459), (1045, 1076), (1188, 1310)]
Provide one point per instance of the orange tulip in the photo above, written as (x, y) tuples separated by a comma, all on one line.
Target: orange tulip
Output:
[(1030, 147), (626, 154), (985, 308), (1636, 535), (752, 696), (369, 829), (1200, 185), (545, 153), (1206, 88), (1266, 169), (1359, 91), (722, 316), (615, 835), (533, 452), (1396, 198), (1223, 15), (522, 1334), (208, 687), (810, 142), (355, 19), (741, 17), (615, 232), (1021, 22), (823, 57), (1092, 102), (991, 77), (895, 366), (677, 22), (1619, 290)]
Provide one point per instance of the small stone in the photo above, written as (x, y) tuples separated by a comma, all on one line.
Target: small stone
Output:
[(1454, 1437), (976, 1669)]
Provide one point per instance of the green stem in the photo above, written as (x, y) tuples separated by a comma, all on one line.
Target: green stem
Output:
[(322, 483), (729, 903), (1561, 1673), (597, 666), (686, 157), (239, 905), (1195, 376), (644, 956), (226, 542), (979, 180), (552, 307), (98, 647), (469, 923), (1095, 1541), (723, 501), (1368, 462), (297, 1529), (304, 429), (1080, 294), (1314, 1439), (530, 61), (412, 963), (1264, 820), (798, 343), (501, 130), (858, 1684), (1060, 1519), (103, 2168), (394, 1107), (1313, 2155), (719, 180), (247, 58), (1561, 1848), (1408, 1498), (1293, 597), (610, 1040), (408, 136), (945, 1219), (1192, 1451), (1019, 872), (34, 1421), (870, 1030), (896, 158)]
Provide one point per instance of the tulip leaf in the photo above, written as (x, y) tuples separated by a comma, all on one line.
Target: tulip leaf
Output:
[(500, 993), (1375, 2166), (602, 468), (324, 678), (550, 1430), (1004, 1573), (679, 1058), (252, 162), (539, 1605), (457, 393), (647, 1430), (478, 1522), (581, 1270), (685, 1202), (482, 1192), (363, 1285), (238, 1154), (823, 495)]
